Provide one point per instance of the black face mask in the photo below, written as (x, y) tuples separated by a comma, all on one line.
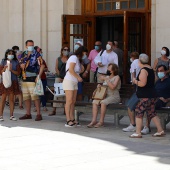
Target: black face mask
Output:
[(108, 72)]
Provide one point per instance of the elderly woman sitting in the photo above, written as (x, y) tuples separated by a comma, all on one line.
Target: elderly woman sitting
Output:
[(147, 95), (113, 82)]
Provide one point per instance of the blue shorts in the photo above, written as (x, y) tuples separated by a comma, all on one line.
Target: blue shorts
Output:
[(80, 88), (132, 102)]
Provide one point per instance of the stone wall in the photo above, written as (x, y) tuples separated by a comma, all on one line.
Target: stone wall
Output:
[(160, 27), (39, 20)]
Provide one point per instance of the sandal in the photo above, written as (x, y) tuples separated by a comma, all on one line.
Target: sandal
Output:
[(135, 135), (21, 107), (7, 103), (45, 109), (69, 125), (34, 110), (159, 134), (91, 125), (52, 113), (99, 124), (76, 123)]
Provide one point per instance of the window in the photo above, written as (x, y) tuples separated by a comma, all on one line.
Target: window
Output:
[(109, 5)]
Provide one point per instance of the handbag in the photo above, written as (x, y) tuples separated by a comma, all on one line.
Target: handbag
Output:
[(6, 76), (100, 93), (38, 90)]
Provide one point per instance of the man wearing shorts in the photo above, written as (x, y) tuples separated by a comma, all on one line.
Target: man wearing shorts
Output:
[(31, 67)]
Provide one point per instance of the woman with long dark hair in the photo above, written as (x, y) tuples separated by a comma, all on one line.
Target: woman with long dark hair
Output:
[(70, 83), (14, 89)]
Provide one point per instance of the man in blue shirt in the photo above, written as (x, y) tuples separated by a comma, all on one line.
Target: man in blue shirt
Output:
[(31, 67)]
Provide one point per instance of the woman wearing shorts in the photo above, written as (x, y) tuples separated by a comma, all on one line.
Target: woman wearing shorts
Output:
[(73, 69)]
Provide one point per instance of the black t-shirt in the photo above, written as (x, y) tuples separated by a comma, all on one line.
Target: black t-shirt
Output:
[(148, 91)]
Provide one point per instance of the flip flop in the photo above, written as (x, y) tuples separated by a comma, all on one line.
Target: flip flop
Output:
[(159, 134), (91, 125), (99, 124), (135, 135)]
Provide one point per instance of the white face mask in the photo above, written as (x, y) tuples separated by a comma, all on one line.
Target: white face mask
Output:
[(163, 52), (131, 60), (108, 47)]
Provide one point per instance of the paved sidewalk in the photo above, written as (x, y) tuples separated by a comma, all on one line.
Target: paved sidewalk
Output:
[(48, 145)]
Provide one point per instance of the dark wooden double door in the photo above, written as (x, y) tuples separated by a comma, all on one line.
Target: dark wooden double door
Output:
[(130, 29)]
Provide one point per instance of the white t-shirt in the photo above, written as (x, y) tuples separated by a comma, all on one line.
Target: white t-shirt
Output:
[(135, 67), (105, 59), (77, 68)]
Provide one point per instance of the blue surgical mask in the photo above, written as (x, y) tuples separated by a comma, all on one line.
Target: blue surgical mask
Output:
[(76, 47), (30, 48), (84, 56), (41, 54), (96, 47), (10, 57), (161, 75)]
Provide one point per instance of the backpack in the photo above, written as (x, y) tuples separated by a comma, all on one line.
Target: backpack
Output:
[(63, 71)]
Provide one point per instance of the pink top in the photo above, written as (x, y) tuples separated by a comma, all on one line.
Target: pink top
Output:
[(92, 55)]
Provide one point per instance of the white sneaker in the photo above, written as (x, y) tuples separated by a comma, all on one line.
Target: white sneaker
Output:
[(13, 118), (1, 118), (130, 128), (145, 130)]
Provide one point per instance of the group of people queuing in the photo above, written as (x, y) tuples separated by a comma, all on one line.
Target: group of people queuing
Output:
[(104, 66), (24, 68)]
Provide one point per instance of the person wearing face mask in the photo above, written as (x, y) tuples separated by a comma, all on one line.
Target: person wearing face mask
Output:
[(162, 87), (134, 71), (14, 89), (134, 67), (85, 64), (163, 60), (113, 84), (104, 58), (29, 63), (147, 94), (19, 97), (92, 55), (60, 62), (70, 84)]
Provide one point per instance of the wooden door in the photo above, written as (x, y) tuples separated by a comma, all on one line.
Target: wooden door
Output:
[(77, 27), (136, 37)]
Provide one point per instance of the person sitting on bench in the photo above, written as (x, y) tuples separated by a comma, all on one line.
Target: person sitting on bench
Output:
[(114, 83)]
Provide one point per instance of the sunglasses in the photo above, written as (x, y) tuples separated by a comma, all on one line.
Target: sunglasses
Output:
[(65, 50)]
